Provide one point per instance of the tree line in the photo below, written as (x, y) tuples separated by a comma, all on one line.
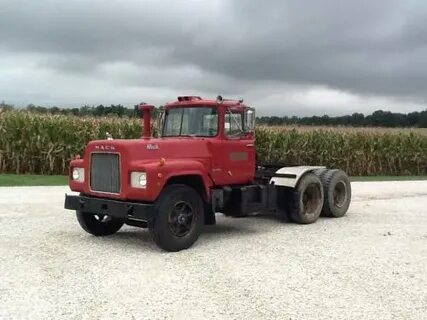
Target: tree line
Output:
[(116, 110), (378, 118)]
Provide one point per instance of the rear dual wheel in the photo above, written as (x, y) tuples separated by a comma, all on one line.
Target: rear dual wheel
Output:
[(306, 200), (337, 190)]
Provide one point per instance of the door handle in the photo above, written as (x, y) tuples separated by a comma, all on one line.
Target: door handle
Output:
[(250, 145)]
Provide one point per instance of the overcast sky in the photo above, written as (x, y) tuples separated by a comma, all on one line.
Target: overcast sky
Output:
[(295, 57)]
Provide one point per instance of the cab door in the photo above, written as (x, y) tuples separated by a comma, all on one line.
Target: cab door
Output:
[(238, 148)]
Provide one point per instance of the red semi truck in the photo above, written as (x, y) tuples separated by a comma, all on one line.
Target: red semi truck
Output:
[(204, 162)]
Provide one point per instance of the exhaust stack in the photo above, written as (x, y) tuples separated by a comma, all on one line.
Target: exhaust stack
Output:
[(146, 119)]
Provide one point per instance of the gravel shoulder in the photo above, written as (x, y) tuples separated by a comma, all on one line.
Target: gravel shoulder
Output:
[(371, 264)]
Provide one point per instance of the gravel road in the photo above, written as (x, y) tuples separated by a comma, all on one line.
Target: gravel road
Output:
[(371, 264)]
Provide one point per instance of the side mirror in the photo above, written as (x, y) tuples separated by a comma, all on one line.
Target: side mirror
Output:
[(249, 120)]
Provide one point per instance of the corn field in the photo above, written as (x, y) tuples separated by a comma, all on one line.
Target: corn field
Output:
[(358, 152), (44, 144)]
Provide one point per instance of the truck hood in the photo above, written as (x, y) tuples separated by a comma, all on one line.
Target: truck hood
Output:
[(154, 149)]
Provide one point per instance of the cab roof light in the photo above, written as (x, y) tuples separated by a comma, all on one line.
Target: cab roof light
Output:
[(188, 98), (220, 99)]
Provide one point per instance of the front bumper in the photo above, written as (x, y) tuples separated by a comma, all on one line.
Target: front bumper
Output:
[(113, 208)]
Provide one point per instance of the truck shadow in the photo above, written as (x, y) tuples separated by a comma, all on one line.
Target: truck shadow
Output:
[(229, 227), (132, 237), (238, 226)]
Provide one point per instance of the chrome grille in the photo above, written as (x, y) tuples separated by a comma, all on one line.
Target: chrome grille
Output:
[(105, 172)]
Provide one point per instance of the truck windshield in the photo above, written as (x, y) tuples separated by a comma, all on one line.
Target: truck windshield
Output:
[(191, 121)]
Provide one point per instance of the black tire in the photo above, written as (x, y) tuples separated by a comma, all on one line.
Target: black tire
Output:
[(98, 224), (306, 201), (337, 189), (179, 219), (320, 172)]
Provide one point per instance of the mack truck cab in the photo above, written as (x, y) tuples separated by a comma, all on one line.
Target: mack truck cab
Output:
[(203, 162)]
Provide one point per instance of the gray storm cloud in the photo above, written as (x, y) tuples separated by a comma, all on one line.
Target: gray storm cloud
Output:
[(299, 57)]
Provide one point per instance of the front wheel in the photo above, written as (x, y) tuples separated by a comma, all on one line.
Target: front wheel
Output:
[(179, 219), (98, 224)]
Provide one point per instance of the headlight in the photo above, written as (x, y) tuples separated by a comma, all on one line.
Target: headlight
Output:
[(138, 179), (78, 174)]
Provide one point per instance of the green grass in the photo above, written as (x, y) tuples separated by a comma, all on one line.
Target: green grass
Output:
[(13, 180)]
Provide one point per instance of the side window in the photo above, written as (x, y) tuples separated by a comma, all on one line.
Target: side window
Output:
[(233, 124)]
